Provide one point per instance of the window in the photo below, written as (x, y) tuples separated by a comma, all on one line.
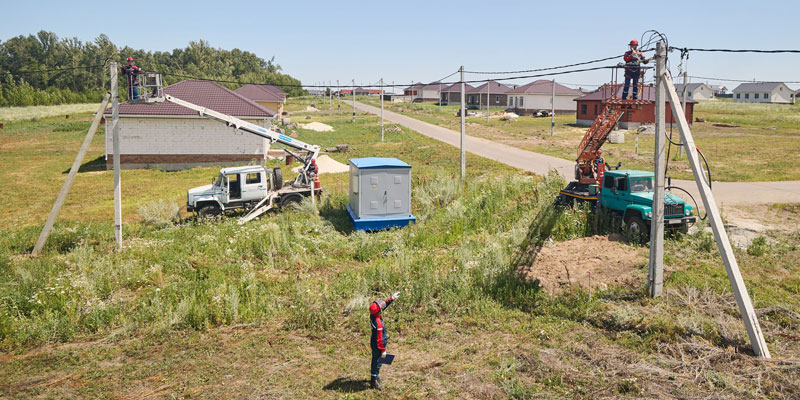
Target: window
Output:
[(496, 99), (511, 101), (583, 109), (520, 101), (608, 182), (766, 96), (595, 109), (622, 184), (755, 96), (689, 93), (747, 95), (738, 95), (642, 185), (252, 178)]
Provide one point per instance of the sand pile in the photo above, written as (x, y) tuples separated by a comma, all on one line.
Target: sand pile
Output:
[(317, 126), (327, 165), (591, 262), (311, 109)]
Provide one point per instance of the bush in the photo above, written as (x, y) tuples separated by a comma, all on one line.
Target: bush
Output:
[(159, 213)]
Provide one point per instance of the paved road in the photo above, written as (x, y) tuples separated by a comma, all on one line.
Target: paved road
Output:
[(725, 193)]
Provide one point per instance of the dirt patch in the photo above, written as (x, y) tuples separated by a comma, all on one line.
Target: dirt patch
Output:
[(591, 262)]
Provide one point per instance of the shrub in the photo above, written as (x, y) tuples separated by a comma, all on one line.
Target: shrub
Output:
[(159, 213)]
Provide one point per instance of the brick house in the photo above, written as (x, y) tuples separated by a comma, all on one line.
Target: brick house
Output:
[(451, 94), (537, 95), (590, 105), (265, 95), (166, 135), (496, 91)]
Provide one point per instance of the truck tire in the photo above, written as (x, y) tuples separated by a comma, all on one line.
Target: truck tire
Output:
[(208, 211), (290, 199), (277, 179), (636, 227)]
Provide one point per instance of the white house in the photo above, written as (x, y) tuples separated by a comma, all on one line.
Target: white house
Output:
[(538, 95), (718, 89), (762, 92), (172, 137), (423, 92), (695, 91)]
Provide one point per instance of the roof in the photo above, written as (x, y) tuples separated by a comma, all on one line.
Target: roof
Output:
[(378, 162), (274, 89), (258, 93), (203, 93), (544, 86), (495, 88), (630, 172), (456, 87), (717, 87), (757, 86), (605, 91), (244, 169), (689, 86), (423, 86)]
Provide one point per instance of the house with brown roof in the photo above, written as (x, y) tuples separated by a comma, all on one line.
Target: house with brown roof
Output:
[(265, 95), (166, 135), (451, 94), (591, 105), (496, 92), (538, 95)]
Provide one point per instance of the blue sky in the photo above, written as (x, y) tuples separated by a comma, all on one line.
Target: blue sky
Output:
[(406, 41)]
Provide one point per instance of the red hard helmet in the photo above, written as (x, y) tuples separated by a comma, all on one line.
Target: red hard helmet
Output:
[(599, 152), (130, 58), (634, 42)]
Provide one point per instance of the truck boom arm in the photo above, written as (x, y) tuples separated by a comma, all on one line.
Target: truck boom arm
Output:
[(248, 127)]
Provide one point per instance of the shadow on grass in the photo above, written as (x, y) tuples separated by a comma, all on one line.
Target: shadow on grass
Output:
[(347, 385), (98, 164), (337, 216)]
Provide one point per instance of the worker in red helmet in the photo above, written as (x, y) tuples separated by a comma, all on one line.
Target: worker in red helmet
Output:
[(633, 70), (379, 338), (599, 164), (132, 72), (314, 168)]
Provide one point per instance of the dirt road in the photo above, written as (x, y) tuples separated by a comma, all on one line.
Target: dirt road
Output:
[(725, 193)]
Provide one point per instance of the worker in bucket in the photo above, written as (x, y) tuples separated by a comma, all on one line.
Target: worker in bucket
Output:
[(599, 163), (132, 72), (633, 70), (379, 338)]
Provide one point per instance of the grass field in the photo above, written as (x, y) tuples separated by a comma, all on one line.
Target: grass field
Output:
[(10, 114), (277, 308), (762, 148)]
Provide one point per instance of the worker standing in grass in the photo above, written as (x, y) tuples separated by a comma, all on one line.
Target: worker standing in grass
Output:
[(633, 70), (132, 72), (379, 338)]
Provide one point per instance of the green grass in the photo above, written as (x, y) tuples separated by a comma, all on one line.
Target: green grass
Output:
[(10, 114), (276, 308), (761, 149)]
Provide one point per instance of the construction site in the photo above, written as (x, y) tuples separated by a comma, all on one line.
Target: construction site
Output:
[(211, 238)]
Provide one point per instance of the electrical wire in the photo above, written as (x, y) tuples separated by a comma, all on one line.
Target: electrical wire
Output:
[(739, 80), (696, 205), (541, 69), (37, 71), (735, 50)]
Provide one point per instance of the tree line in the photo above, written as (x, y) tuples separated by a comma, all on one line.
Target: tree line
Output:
[(44, 69)]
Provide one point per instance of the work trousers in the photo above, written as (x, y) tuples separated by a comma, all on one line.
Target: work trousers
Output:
[(375, 367), (631, 76)]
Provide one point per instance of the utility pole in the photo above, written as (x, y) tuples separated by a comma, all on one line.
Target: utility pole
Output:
[(115, 130), (488, 100), (440, 96), (655, 275), (685, 75), (553, 110), (338, 97), (463, 127), (720, 235), (354, 101), (330, 95), (381, 92)]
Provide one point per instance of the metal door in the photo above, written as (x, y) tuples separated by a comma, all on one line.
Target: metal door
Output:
[(374, 193), (254, 186)]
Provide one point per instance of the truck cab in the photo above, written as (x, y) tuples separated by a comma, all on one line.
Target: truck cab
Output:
[(235, 187), (628, 194)]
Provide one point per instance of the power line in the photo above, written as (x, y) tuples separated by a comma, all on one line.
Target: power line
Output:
[(735, 50), (542, 69), (740, 80), (36, 71)]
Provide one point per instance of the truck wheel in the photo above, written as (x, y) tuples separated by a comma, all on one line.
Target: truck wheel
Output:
[(636, 227), (277, 179), (209, 211), (287, 201)]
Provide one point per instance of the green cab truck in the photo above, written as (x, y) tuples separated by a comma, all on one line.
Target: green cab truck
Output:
[(627, 195)]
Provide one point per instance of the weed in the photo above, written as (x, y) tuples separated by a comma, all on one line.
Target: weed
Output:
[(159, 213)]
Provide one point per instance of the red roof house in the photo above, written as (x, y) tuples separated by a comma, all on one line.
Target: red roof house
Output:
[(169, 136)]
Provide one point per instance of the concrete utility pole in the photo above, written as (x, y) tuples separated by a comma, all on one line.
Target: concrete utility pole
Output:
[(115, 130), (330, 95), (338, 97), (354, 100), (723, 242), (381, 92), (655, 275), (440, 96), (73, 171), (488, 100), (553, 110), (685, 76), (463, 126)]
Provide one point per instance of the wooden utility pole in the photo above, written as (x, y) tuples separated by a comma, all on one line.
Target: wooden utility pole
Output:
[(381, 93), (655, 275), (463, 126), (723, 242), (117, 178), (73, 171), (553, 110)]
